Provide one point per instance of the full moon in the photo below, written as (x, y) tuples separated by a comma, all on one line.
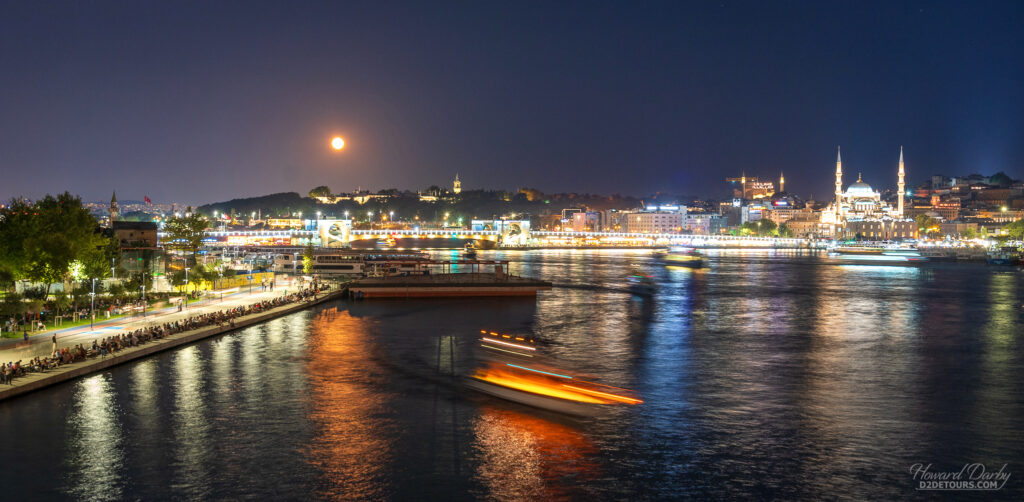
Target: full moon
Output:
[(337, 143)]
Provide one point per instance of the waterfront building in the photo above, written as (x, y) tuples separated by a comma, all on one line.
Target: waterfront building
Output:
[(590, 221), (652, 222), (704, 223)]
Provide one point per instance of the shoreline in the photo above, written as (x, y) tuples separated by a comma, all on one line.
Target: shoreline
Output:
[(32, 382)]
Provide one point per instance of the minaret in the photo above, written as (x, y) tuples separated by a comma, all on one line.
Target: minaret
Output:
[(839, 182), (457, 186), (115, 211), (901, 186), (782, 182)]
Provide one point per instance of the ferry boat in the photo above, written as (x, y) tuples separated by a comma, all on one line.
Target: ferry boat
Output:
[(353, 262), (682, 257), (875, 254), (516, 373), (469, 250)]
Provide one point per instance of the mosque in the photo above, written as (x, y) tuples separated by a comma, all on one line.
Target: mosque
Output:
[(860, 212)]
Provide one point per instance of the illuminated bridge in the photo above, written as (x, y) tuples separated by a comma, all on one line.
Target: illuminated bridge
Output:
[(332, 236)]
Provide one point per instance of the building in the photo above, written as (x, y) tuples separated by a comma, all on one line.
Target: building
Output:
[(651, 223), (590, 221), (457, 185), (885, 229), (751, 187), (862, 204), (704, 223), (135, 234), (115, 211)]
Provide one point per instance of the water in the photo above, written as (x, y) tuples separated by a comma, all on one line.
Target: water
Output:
[(767, 375)]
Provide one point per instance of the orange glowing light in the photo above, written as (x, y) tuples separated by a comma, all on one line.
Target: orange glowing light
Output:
[(546, 386), (337, 143)]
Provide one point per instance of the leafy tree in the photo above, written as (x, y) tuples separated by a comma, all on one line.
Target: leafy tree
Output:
[(61, 301), (785, 231), (320, 191), (13, 304), (926, 224), (116, 289), (186, 233), (40, 241), (1015, 230), (307, 258), (969, 233)]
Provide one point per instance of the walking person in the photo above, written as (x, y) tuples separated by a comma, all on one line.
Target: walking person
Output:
[(53, 351)]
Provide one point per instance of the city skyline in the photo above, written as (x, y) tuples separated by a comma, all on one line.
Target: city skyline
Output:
[(563, 99)]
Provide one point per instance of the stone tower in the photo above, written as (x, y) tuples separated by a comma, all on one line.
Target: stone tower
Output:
[(457, 186), (115, 211)]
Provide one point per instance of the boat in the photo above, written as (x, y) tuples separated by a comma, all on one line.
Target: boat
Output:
[(389, 242), (682, 257), (877, 255), (352, 262), (469, 250), (515, 372), (1003, 256), (641, 284)]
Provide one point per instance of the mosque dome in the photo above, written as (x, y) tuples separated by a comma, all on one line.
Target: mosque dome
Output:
[(860, 189)]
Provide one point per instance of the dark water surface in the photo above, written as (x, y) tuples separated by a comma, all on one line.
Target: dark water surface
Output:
[(766, 375)]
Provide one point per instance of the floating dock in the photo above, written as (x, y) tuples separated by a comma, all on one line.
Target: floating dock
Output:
[(446, 279), (445, 285)]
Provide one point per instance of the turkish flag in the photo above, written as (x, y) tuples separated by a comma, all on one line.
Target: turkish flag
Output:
[(146, 198)]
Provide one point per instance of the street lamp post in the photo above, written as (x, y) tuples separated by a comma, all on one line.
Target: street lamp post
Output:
[(143, 296), (112, 268), (185, 300), (92, 304)]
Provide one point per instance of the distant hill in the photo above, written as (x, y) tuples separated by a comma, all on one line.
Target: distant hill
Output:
[(273, 204)]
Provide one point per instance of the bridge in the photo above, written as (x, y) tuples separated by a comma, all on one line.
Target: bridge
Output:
[(339, 233)]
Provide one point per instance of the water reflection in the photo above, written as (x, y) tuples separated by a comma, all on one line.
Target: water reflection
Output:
[(352, 437), (96, 442), (522, 457), (190, 424)]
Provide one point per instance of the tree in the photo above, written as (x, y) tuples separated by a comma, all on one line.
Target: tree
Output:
[(926, 224), (785, 231), (1015, 230), (186, 233), (40, 241), (307, 258), (320, 191)]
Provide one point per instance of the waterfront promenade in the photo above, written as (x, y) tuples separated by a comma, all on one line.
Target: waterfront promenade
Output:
[(32, 381)]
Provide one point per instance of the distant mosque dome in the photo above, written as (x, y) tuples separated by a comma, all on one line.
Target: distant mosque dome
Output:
[(860, 189)]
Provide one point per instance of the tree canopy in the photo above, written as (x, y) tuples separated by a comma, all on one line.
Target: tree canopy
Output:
[(46, 240), (320, 191), (186, 232)]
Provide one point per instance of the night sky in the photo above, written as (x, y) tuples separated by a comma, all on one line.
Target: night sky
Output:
[(207, 101)]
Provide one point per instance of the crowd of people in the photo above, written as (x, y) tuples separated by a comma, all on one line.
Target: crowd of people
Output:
[(112, 344)]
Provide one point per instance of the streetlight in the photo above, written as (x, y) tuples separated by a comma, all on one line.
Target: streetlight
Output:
[(92, 304), (143, 296), (185, 300), (346, 215), (112, 268)]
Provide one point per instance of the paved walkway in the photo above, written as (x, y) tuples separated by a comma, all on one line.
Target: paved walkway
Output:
[(35, 381), (41, 344)]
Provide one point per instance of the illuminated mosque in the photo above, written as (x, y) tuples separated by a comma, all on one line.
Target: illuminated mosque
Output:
[(860, 210)]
